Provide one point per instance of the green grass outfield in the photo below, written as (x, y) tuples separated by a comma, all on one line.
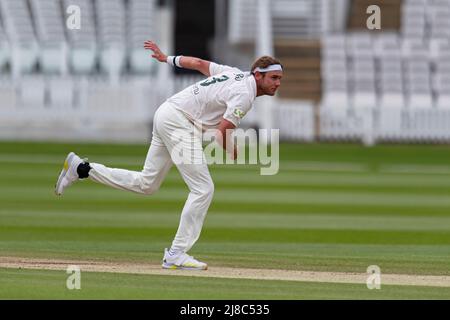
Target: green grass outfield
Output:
[(331, 207)]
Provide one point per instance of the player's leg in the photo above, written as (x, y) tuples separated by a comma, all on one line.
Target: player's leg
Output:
[(201, 189), (183, 140), (147, 181)]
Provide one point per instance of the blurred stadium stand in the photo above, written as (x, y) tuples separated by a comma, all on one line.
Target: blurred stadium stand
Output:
[(393, 77), (342, 81)]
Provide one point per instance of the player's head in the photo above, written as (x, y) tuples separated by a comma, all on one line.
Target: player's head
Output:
[(268, 72)]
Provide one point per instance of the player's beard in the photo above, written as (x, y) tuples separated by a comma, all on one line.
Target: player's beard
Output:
[(270, 92)]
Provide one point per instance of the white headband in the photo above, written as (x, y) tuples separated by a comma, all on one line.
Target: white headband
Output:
[(272, 67)]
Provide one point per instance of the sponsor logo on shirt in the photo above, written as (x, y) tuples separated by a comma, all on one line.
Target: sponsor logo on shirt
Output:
[(239, 77), (239, 113)]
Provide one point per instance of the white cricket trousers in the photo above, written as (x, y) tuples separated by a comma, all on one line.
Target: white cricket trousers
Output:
[(175, 141)]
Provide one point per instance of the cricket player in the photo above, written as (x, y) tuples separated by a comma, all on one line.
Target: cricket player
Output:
[(218, 102)]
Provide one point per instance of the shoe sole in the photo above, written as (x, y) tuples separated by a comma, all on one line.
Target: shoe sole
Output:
[(63, 172), (175, 267)]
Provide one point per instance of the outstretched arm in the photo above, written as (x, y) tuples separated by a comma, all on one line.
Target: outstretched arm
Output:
[(185, 62)]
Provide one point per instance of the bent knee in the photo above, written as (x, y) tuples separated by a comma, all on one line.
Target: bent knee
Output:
[(204, 191), (210, 188), (148, 186), (149, 190), (207, 190)]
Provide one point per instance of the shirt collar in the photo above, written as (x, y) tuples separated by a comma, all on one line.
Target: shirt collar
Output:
[(251, 82)]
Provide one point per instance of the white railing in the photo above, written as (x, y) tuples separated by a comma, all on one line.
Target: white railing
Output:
[(385, 124), (89, 109), (295, 120)]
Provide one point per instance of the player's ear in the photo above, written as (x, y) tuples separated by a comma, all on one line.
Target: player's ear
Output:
[(258, 75)]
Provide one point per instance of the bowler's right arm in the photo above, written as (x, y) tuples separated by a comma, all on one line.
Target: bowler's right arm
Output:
[(192, 63), (205, 67)]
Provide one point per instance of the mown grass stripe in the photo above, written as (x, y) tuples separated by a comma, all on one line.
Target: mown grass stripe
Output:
[(222, 219), (285, 165), (30, 173), (78, 233), (108, 204), (268, 196), (46, 284)]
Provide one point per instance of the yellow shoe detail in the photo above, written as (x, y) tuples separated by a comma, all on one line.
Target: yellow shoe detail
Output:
[(66, 165), (190, 265)]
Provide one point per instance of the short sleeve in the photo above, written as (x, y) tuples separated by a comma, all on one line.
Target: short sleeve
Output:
[(237, 107), (215, 68)]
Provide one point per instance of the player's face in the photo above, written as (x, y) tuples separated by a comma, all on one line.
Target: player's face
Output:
[(270, 82)]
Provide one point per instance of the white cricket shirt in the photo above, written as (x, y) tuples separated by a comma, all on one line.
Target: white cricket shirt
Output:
[(228, 93)]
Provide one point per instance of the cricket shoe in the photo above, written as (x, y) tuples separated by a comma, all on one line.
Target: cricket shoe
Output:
[(182, 261), (68, 174)]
